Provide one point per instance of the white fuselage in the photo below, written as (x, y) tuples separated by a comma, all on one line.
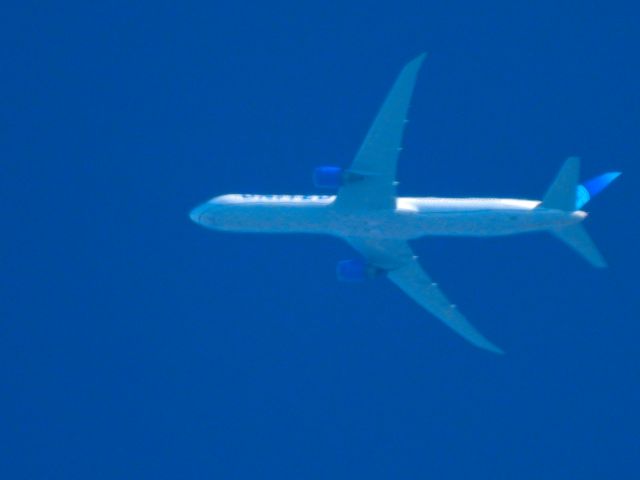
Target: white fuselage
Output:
[(413, 217)]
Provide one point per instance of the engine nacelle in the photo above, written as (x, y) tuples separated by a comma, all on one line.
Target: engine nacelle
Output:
[(352, 271), (356, 271), (328, 177)]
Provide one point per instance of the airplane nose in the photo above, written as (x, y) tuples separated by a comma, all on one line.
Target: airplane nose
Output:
[(197, 212)]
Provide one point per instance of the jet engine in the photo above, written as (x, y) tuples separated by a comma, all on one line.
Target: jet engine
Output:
[(328, 177), (356, 270), (352, 271)]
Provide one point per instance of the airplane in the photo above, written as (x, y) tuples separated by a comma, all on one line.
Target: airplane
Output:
[(367, 213)]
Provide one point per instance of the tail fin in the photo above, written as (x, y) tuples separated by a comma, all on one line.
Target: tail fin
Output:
[(591, 188), (566, 194), (577, 238), (562, 192)]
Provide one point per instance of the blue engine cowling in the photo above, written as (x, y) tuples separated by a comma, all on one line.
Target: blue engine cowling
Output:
[(328, 177), (352, 271), (355, 271)]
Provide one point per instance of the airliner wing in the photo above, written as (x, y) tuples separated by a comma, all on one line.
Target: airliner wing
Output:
[(373, 172), (403, 269)]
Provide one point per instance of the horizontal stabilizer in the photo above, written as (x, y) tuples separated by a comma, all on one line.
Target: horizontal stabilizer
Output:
[(579, 240)]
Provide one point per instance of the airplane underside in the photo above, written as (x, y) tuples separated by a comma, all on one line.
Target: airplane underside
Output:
[(367, 213), (402, 224)]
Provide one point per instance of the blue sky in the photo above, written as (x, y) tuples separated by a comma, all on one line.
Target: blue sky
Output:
[(135, 344)]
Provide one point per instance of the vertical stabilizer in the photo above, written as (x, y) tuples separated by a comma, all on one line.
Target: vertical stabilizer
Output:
[(566, 194), (562, 192), (593, 187)]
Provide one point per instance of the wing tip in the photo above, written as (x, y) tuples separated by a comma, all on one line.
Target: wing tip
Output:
[(421, 56), (495, 349), (417, 61), (485, 344)]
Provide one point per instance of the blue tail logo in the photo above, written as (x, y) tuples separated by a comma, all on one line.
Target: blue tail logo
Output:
[(593, 187)]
